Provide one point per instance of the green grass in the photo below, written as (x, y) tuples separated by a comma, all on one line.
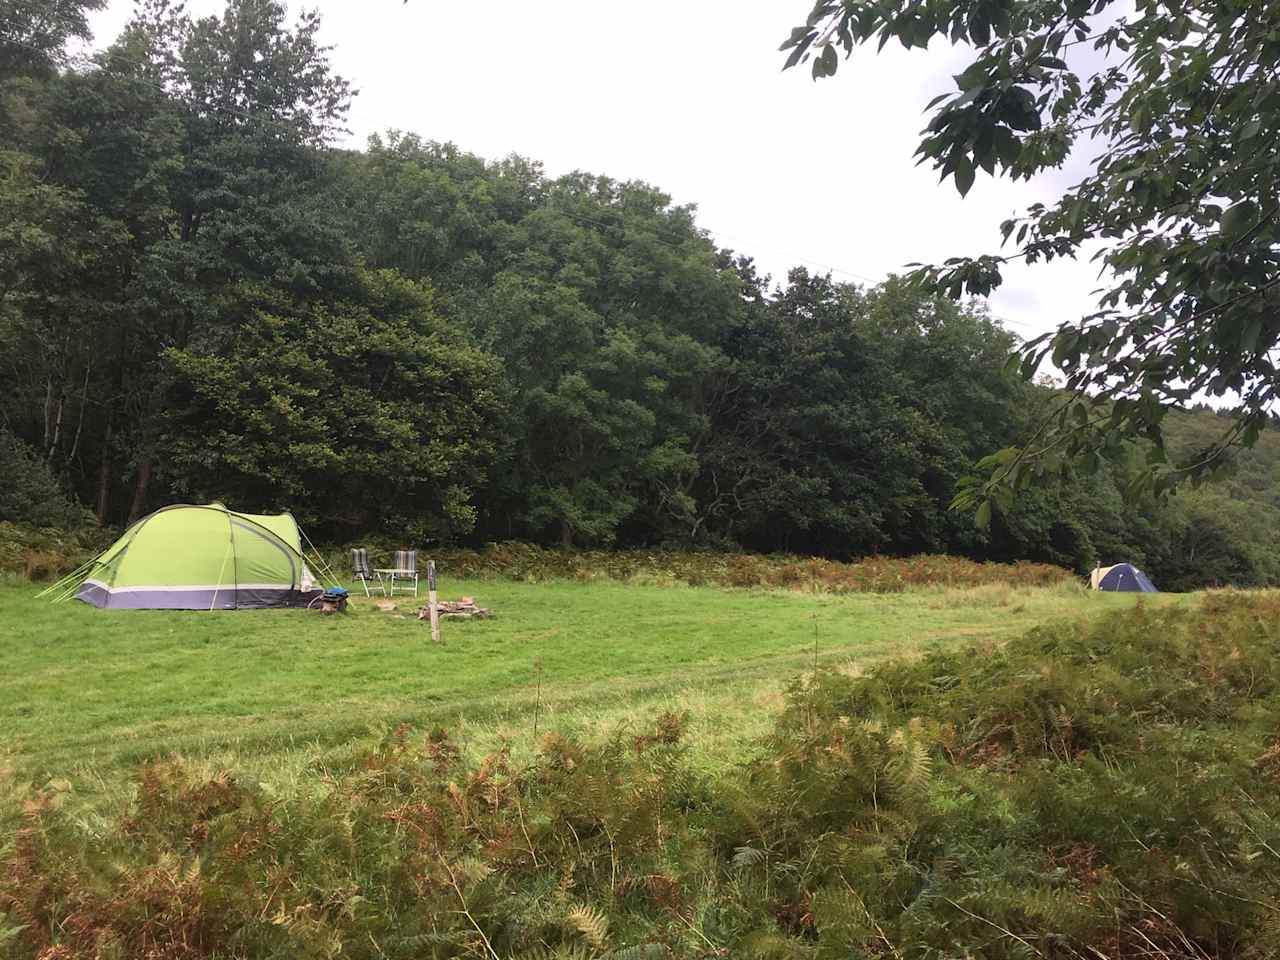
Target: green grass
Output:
[(89, 693)]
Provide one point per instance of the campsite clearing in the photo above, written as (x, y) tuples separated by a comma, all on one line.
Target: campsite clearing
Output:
[(91, 692)]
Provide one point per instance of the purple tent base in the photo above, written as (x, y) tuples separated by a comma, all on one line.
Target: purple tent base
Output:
[(194, 598)]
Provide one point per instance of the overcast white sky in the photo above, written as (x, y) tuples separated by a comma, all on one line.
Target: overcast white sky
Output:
[(689, 96)]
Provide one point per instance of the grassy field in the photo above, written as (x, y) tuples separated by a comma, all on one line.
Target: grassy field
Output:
[(87, 692)]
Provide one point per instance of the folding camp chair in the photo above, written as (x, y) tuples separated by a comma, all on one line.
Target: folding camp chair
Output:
[(360, 570), (405, 568)]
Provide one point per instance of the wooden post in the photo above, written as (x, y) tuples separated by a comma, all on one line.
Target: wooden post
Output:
[(432, 604)]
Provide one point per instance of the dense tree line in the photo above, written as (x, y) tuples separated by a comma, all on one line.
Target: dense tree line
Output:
[(200, 298)]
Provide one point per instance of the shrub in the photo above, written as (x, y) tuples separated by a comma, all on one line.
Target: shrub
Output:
[(31, 495), (44, 532), (1103, 790), (522, 561), (40, 553)]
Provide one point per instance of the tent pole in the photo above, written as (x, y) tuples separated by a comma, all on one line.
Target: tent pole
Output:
[(221, 570), (235, 561)]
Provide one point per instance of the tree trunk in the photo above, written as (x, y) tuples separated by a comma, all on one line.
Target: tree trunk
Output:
[(105, 469), (104, 474), (57, 425), (566, 535), (84, 402), (48, 407), (140, 490)]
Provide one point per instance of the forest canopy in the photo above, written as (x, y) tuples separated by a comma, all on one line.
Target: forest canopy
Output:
[(201, 297)]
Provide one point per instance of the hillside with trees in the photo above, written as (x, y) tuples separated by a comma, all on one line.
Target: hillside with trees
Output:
[(201, 298)]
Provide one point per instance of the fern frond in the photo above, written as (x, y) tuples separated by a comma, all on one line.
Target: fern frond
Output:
[(544, 952), (431, 938), (765, 945), (472, 869), (639, 951), (917, 765), (8, 933), (591, 923), (744, 857)]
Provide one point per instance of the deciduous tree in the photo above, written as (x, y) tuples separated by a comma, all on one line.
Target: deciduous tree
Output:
[(1177, 104)]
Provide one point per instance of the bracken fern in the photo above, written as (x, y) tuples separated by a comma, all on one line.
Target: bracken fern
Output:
[(1101, 790)]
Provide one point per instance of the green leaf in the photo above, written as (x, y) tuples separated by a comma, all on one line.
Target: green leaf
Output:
[(964, 174), (797, 34), (1030, 363), (1239, 220), (827, 62), (1249, 339), (982, 519), (979, 27), (1064, 347)]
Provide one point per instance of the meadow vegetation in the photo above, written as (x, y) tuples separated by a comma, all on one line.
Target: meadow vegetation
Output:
[(529, 562), (103, 689), (1099, 788)]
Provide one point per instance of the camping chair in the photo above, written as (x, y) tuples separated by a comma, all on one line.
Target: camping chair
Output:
[(406, 569), (360, 570)]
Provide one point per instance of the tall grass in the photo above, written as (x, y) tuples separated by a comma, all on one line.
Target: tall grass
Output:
[(521, 561), (45, 553), (1097, 790), (42, 554)]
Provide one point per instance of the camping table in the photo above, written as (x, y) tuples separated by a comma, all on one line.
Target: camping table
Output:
[(389, 575)]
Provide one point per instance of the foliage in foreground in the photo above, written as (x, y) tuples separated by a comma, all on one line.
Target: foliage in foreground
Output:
[(1090, 790)]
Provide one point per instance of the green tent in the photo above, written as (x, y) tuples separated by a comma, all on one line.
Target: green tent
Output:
[(189, 557)]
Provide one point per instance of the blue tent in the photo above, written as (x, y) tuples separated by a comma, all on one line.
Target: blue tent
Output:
[(1124, 578)]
